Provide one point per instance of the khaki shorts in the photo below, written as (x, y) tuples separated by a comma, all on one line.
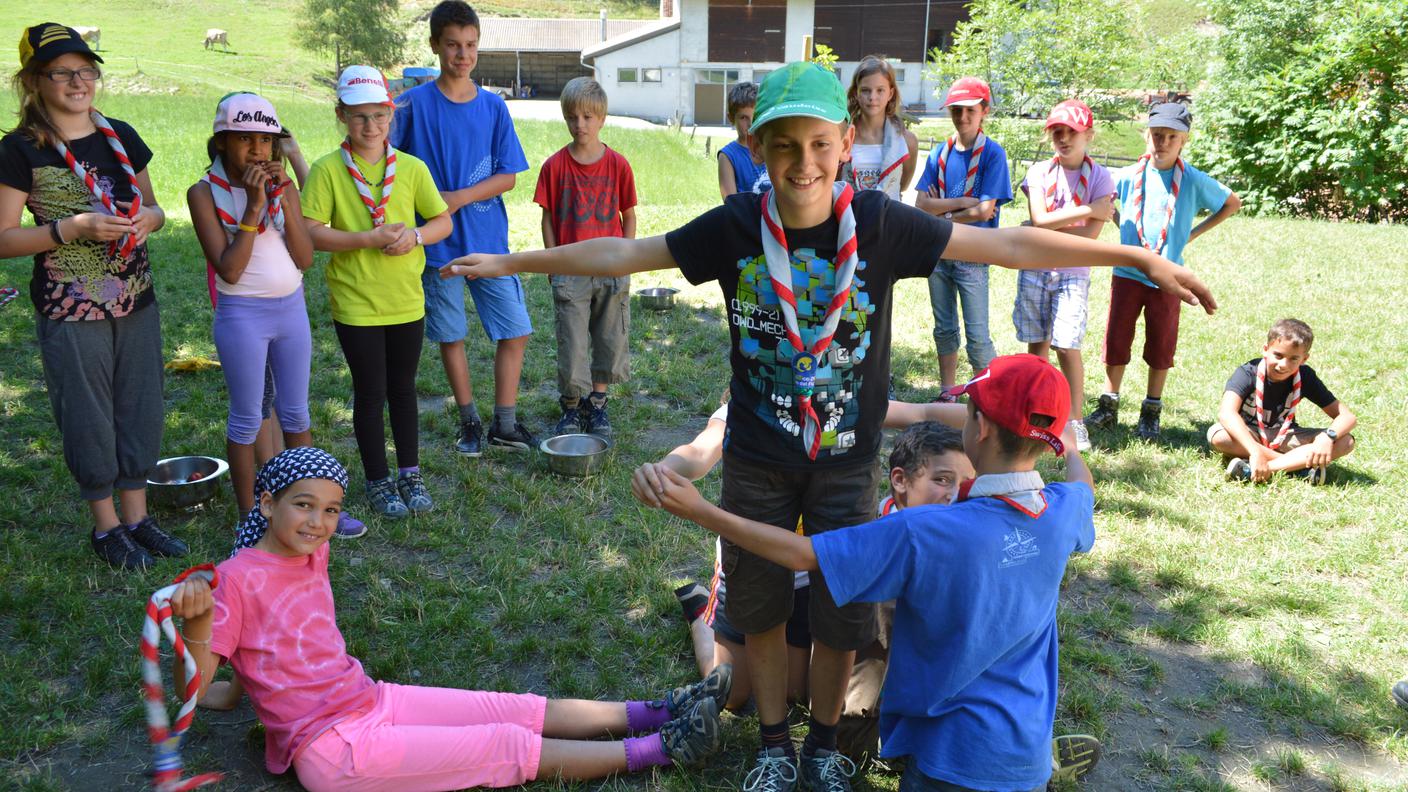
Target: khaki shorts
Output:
[(1299, 435), (593, 319)]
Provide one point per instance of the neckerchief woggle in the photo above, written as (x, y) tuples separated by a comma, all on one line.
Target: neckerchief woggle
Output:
[(1285, 429), (122, 247), (1022, 490), (364, 189), (224, 199), (1170, 202), (971, 179), (807, 359), (1056, 182)]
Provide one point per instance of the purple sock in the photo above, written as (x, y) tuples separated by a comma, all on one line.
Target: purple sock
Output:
[(645, 752), (411, 469), (643, 717)]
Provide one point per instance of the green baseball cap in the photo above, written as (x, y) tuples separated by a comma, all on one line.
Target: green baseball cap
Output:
[(800, 89)]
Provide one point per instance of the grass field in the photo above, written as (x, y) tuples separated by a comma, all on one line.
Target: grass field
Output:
[(1219, 637)]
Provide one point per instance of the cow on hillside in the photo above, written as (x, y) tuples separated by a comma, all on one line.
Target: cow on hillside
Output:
[(215, 36)]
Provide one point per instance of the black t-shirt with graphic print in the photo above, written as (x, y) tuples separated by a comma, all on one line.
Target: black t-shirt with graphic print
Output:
[(1276, 396), (852, 378), (79, 281)]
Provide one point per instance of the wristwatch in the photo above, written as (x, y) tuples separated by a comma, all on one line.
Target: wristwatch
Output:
[(420, 240), (1332, 434)]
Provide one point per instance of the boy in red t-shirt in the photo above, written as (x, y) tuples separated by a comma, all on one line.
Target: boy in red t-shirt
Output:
[(587, 191)]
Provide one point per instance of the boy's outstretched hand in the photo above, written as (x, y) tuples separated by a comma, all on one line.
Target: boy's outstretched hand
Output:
[(1181, 281), (477, 265)]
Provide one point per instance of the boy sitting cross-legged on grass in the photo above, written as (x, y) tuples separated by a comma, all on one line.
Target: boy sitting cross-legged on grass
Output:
[(587, 191), (1256, 422), (807, 271), (970, 697)]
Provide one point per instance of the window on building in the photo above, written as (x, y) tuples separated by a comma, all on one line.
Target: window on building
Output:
[(650, 75), (899, 75), (626, 75), (716, 76)]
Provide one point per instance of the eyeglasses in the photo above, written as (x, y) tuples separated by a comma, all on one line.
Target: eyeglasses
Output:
[(88, 74), (380, 119)]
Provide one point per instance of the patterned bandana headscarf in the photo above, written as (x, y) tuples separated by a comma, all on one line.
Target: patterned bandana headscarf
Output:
[(294, 464)]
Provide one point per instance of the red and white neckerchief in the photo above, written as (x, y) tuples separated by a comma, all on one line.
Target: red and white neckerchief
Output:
[(1266, 439), (124, 246), (376, 208), (166, 742), (779, 260), (888, 506), (971, 179), (1021, 490), (1170, 202), (894, 150), (1056, 178), (224, 199)]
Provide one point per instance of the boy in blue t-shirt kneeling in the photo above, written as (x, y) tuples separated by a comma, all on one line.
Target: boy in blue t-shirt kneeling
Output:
[(971, 692)]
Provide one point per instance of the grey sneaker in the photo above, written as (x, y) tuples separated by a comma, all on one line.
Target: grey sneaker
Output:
[(1082, 435), (1400, 694), (1239, 470), (385, 500), (516, 439), (594, 420), (411, 488), (715, 686), (826, 771), (693, 737), (1148, 426), (1074, 756), (774, 771), (1106, 413), (572, 420)]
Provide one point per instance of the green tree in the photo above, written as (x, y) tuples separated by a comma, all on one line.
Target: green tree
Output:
[(1309, 106), (354, 31)]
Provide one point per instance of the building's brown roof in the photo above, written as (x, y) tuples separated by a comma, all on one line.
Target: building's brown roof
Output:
[(521, 34)]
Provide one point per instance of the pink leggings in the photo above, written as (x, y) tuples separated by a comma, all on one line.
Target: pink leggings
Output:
[(422, 738)]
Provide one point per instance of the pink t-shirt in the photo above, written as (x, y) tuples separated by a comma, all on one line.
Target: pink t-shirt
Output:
[(1102, 184), (275, 623)]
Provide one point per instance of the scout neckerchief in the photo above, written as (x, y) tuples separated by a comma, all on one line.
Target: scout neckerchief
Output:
[(888, 506), (123, 247), (377, 209), (779, 259), (971, 180), (224, 199), (166, 742), (1261, 416), (1056, 177), (1170, 202), (1021, 490), (894, 152)]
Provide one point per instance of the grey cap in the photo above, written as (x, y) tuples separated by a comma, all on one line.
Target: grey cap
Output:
[(1171, 115)]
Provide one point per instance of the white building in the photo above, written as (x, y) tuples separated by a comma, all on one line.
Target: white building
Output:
[(683, 65)]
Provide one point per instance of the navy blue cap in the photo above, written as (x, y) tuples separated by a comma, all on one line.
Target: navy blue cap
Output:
[(1171, 115)]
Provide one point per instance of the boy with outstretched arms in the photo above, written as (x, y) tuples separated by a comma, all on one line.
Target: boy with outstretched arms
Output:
[(1256, 421), (970, 697), (810, 332), (1159, 197), (466, 137)]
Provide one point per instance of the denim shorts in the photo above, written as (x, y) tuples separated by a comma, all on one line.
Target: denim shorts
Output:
[(503, 313)]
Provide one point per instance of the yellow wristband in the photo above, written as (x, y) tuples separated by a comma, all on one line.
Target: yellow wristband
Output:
[(251, 229)]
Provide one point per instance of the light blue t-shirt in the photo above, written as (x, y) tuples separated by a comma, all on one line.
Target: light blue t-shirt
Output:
[(1198, 192), (970, 695), (994, 181), (463, 143)]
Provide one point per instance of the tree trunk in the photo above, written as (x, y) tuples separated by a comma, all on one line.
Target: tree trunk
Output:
[(337, 60)]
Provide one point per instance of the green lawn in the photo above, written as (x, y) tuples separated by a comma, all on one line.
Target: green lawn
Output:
[(1219, 635)]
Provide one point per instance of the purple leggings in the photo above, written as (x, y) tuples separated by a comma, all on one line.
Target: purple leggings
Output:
[(253, 331)]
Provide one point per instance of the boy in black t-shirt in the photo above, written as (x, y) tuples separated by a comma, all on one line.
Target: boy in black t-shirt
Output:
[(807, 272), (1256, 423)]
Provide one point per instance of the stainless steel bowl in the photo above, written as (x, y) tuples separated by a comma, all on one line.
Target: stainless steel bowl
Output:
[(171, 487), (576, 455), (658, 298)]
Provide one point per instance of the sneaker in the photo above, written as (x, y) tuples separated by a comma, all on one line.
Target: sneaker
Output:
[(1074, 755), (156, 541), (692, 738), (470, 442), (1239, 470), (385, 500), (1400, 694), (118, 549), (826, 771), (594, 420), (1148, 426), (693, 599), (1082, 435), (1315, 476), (945, 397), (516, 439), (349, 527), (715, 687), (774, 771), (572, 421), (1106, 413), (412, 489)]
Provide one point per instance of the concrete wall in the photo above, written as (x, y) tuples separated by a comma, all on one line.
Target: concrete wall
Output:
[(655, 101), (800, 20)]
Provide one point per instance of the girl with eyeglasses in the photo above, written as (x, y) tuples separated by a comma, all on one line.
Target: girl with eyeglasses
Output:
[(83, 177), (361, 204)]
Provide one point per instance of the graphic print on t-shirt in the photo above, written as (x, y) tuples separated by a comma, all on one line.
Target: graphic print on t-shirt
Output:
[(78, 275), (482, 171), (762, 340), (589, 201)]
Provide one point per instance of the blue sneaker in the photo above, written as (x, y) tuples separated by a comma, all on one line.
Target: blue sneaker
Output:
[(412, 490), (385, 500), (594, 420)]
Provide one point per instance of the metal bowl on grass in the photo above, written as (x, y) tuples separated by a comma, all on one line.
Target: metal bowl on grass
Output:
[(185, 481), (576, 455), (658, 298)]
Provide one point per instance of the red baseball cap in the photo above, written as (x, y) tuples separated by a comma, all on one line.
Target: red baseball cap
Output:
[(1013, 388), (967, 91), (1072, 113)]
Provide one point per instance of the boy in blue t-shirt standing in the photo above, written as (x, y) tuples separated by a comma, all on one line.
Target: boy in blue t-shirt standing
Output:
[(467, 139), (970, 696), (965, 180)]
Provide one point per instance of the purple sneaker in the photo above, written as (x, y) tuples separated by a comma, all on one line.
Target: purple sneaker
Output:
[(349, 527)]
